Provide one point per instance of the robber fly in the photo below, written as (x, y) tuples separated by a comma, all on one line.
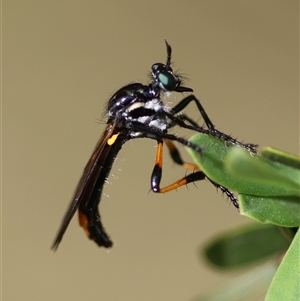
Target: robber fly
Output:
[(137, 111)]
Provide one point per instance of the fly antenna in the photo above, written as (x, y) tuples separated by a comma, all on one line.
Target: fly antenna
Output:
[(169, 53)]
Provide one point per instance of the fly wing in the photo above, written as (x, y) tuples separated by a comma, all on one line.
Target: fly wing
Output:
[(87, 181)]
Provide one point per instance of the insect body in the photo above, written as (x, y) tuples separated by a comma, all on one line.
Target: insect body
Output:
[(137, 111)]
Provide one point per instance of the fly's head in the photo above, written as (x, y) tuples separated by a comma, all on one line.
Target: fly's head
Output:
[(165, 78)]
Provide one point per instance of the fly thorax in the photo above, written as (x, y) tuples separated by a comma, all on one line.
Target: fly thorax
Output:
[(149, 113)]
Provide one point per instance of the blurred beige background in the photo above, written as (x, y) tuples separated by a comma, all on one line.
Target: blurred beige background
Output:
[(61, 62)]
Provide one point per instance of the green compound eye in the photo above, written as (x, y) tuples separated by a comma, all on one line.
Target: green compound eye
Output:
[(168, 81), (165, 77)]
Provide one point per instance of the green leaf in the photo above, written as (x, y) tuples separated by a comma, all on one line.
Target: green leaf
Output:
[(286, 282), (281, 157), (281, 211), (273, 206), (238, 170), (244, 246), (268, 191), (269, 177)]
